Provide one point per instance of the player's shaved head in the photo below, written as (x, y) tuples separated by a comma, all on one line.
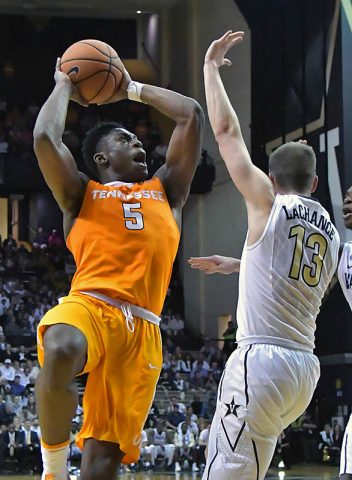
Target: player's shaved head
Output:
[(293, 166)]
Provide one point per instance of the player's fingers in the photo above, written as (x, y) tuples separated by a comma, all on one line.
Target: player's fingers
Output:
[(225, 36), (227, 62), (57, 66)]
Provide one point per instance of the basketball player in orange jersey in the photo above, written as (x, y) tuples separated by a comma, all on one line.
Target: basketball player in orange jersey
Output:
[(123, 231)]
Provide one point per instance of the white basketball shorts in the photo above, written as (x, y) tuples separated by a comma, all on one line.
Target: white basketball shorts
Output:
[(346, 450), (263, 389)]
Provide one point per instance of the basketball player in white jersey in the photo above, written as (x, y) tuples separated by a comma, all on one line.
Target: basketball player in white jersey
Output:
[(344, 273), (289, 258)]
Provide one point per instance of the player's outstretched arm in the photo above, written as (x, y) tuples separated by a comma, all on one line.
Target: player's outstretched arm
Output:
[(55, 160), (253, 184), (215, 264)]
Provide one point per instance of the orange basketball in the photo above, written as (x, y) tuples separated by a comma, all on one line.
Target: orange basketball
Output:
[(94, 67)]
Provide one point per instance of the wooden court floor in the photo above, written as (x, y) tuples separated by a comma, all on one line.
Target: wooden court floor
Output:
[(306, 472)]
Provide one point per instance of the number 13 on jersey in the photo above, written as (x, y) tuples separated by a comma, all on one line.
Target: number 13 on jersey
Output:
[(316, 242)]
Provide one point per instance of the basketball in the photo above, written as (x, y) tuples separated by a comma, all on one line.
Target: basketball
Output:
[(94, 67)]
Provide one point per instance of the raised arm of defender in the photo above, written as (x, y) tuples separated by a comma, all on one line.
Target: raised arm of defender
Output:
[(253, 184)]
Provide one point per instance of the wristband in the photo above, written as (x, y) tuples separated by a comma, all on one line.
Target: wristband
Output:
[(134, 90)]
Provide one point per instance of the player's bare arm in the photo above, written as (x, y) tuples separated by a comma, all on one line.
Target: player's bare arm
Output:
[(215, 264), (55, 160), (253, 184), (185, 144), (184, 149)]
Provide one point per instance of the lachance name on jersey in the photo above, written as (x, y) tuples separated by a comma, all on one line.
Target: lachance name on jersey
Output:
[(311, 216)]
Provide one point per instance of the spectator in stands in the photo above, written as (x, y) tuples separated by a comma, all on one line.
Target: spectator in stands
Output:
[(174, 418), (185, 448), (14, 444), (36, 428), (210, 383), (202, 443), (191, 426), (160, 445), (176, 324), (197, 405), (41, 239), (153, 416), (146, 451), (12, 330), (27, 415), (337, 436), (175, 401), (55, 241), (4, 304), (9, 244), (7, 371), (16, 387), (166, 382), (309, 440), (2, 345), (179, 382), (21, 355), (185, 365), (26, 378), (32, 457), (229, 336), (6, 413), (201, 362), (217, 372), (209, 405)]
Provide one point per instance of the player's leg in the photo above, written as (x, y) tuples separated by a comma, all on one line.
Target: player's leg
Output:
[(100, 460), (65, 350), (68, 343), (169, 453), (246, 423), (346, 453)]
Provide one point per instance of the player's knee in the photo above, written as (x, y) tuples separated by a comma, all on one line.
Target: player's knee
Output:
[(65, 349)]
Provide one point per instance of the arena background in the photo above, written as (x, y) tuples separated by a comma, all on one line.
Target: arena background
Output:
[(290, 79)]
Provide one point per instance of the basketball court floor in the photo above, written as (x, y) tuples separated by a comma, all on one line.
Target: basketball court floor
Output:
[(306, 472)]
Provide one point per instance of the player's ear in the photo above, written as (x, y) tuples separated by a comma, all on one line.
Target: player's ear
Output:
[(314, 183), (100, 158)]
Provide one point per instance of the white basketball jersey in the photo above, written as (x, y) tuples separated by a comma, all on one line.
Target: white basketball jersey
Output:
[(285, 273), (345, 272)]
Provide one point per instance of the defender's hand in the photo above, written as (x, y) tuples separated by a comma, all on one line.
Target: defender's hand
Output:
[(215, 264), (219, 48)]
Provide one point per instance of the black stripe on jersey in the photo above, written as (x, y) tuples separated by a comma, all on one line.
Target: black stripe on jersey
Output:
[(233, 447), (256, 457), (220, 385), (211, 463), (346, 453), (245, 375)]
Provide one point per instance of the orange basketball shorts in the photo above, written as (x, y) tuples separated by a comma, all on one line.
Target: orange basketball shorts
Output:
[(123, 369)]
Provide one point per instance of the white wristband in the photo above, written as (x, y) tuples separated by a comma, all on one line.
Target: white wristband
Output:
[(134, 90)]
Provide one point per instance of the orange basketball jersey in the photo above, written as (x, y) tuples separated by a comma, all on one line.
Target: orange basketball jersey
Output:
[(124, 242)]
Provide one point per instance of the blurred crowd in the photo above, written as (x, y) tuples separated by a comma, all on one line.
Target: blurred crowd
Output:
[(18, 114)]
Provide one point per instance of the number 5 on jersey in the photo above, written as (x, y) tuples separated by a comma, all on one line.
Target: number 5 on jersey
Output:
[(133, 218)]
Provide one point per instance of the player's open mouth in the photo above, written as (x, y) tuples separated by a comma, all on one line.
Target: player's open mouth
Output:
[(140, 157), (347, 216)]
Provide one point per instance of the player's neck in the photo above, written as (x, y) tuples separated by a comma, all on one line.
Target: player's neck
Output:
[(293, 192)]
